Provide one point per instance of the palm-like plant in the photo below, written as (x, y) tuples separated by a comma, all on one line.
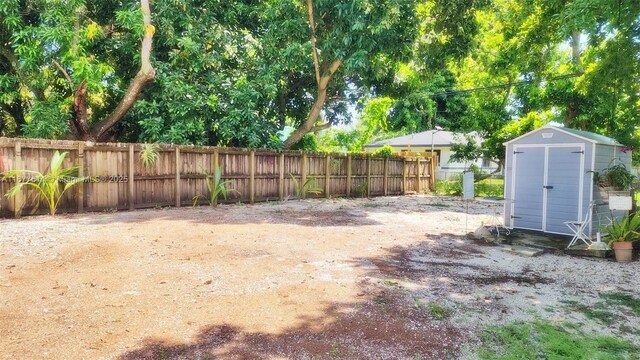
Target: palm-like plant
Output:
[(149, 154), (625, 229), (216, 187), (308, 186), (50, 186)]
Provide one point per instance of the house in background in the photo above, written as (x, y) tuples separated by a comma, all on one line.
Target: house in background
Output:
[(442, 141)]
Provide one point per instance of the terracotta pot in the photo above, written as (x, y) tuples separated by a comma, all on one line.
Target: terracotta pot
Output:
[(623, 250)]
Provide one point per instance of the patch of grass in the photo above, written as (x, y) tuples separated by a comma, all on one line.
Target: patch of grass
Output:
[(620, 298), (483, 188), (595, 312), (372, 205), (437, 311), (391, 282), (335, 351), (490, 187), (538, 340)]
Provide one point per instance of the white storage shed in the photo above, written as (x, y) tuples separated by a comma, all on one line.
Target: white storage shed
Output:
[(549, 178)]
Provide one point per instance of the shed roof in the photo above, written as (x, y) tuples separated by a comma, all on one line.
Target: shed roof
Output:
[(440, 138), (585, 135)]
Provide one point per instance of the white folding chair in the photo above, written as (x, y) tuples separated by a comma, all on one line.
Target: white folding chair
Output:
[(580, 228)]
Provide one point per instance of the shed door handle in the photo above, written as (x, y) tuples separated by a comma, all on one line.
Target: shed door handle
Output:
[(548, 187)]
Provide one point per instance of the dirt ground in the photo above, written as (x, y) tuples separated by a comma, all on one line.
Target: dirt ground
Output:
[(300, 279)]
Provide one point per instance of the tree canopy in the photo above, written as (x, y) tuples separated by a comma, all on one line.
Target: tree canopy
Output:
[(238, 73)]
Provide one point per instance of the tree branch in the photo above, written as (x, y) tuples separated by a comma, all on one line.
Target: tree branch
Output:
[(64, 72), (312, 25), (145, 75), (320, 127), (324, 80)]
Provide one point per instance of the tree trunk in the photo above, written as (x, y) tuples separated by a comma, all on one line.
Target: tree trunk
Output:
[(17, 113), (576, 52), (322, 83), (79, 117), (314, 114), (572, 107), (145, 75)]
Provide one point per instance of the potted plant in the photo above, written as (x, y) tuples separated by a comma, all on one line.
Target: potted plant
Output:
[(621, 234), (615, 176)]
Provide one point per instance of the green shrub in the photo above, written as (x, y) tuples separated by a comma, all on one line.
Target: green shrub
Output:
[(362, 190), (483, 188), (308, 143), (453, 186), (384, 151)]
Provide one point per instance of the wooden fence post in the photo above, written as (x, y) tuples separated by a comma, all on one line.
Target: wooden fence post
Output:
[(404, 176), (368, 175), (80, 192), (178, 191), (132, 172), (215, 163), (348, 175), (327, 176), (385, 180), (17, 165), (303, 173), (418, 185), (252, 176), (281, 178)]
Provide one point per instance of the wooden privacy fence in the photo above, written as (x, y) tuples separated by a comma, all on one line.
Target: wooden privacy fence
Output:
[(121, 181)]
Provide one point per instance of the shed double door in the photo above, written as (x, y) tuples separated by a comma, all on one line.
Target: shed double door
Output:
[(548, 184)]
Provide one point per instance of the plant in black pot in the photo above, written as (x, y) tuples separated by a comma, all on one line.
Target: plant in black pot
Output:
[(621, 234), (615, 176)]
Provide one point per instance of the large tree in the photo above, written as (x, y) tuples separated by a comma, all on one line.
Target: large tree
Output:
[(416, 88), (56, 73), (328, 51), (575, 62), (212, 86)]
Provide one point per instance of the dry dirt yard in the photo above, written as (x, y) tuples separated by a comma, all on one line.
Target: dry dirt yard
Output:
[(384, 278)]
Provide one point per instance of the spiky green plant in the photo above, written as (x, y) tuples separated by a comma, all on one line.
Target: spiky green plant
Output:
[(309, 186), (362, 189), (216, 187), (149, 154), (50, 186), (625, 229)]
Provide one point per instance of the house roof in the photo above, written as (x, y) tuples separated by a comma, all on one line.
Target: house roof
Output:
[(440, 138), (584, 135), (600, 139)]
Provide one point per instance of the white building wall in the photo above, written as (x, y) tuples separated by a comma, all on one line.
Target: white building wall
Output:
[(446, 168)]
